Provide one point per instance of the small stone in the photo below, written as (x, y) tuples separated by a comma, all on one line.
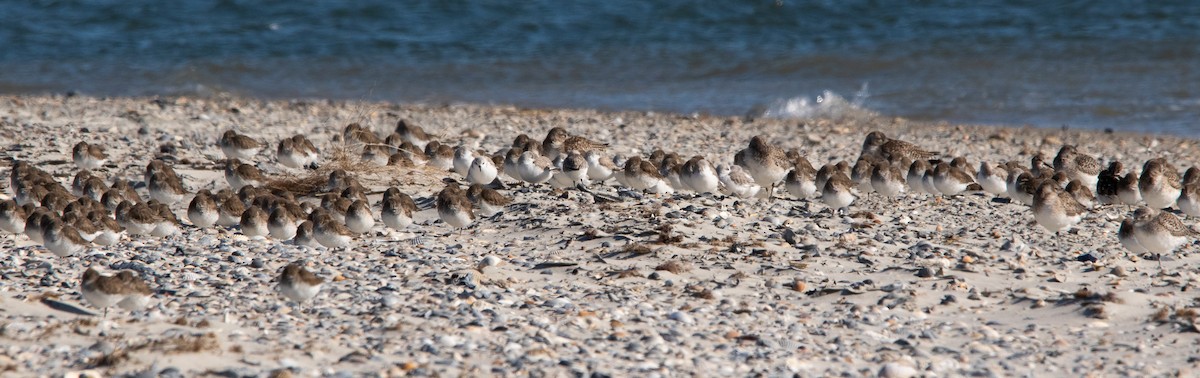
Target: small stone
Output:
[(897, 370)]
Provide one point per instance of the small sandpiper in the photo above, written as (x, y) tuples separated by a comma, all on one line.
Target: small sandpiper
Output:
[(62, 239), (166, 187), (861, 173), (880, 146), (281, 224), (488, 200), (413, 133), (915, 177), (1108, 182), (992, 179), (1160, 184), (482, 170), (110, 230), (887, 180), (1077, 166), (766, 163), (359, 218), (305, 235), (463, 157), (1126, 235), (229, 214), (737, 182), (239, 175), (138, 219), (202, 211), (1055, 209), (643, 175), (238, 146), (575, 168), (801, 181), (88, 156), (329, 232), (949, 180), (12, 216), (253, 222), (600, 169), (397, 209), (1159, 231), (167, 224), (1081, 193), (1189, 199), (698, 175), (297, 152), (1128, 191), (839, 192), (534, 168), (125, 289), (298, 284), (440, 156), (453, 207)]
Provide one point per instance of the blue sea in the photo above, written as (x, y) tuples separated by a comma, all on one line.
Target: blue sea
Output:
[(1126, 65)]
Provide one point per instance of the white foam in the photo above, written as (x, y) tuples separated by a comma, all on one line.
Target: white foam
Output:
[(827, 105)]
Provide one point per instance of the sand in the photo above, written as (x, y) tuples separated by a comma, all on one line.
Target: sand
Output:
[(672, 285)]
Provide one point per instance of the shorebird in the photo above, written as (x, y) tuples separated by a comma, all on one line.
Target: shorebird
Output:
[(1077, 166), (305, 235), (887, 180), (202, 211), (413, 133), (860, 174), (328, 232), (167, 224), (359, 218), (1054, 209), (1160, 185), (1081, 193), (453, 207), (463, 157), (62, 239), (296, 152), (1159, 231), (298, 284), (599, 168), (534, 168), (949, 180), (1128, 191), (992, 179), (1108, 182), (110, 230), (488, 200), (12, 216), (138, 219), (239, 175), (879, 146), (238, 146), (282, 224), (698, 175), (482, 171), (766, 163), (397, 209), (1126, 235), (125, 290), (439, 156), (165, 187), (253, 222), (736, 182), (229, 214), (839, 192), (916, 177), (88, 156), (642, 175)]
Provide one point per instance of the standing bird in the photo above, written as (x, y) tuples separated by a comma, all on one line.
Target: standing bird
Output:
[(839, 192), (397, 209), (125, 289), (413, 133), (488, 200), (599, 168), (1159, 231), (298, 284), (88, 156), (1160, 184), (359, 218), (1077, 166), (887, 180), (737, 182), (699, 175), (992, 179), (453, 207), (879, 146), (1108, 182), (482, 171), (282, 224), (1055, 209), (766, 163), (238, 146)]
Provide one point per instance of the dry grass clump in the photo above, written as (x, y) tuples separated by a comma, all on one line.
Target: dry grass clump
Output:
[(346, 157), (674, 267)]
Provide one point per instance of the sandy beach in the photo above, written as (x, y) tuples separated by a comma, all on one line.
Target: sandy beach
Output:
[(562, 285)]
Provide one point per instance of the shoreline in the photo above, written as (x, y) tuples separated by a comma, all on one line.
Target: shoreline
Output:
[(845, 295)]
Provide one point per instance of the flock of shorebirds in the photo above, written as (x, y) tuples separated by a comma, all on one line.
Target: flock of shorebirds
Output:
[(93, 211)]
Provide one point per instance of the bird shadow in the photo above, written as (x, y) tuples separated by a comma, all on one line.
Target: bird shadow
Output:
[(66, 307)]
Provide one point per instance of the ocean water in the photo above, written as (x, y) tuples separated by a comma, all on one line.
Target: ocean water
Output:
[(1127, 65)]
